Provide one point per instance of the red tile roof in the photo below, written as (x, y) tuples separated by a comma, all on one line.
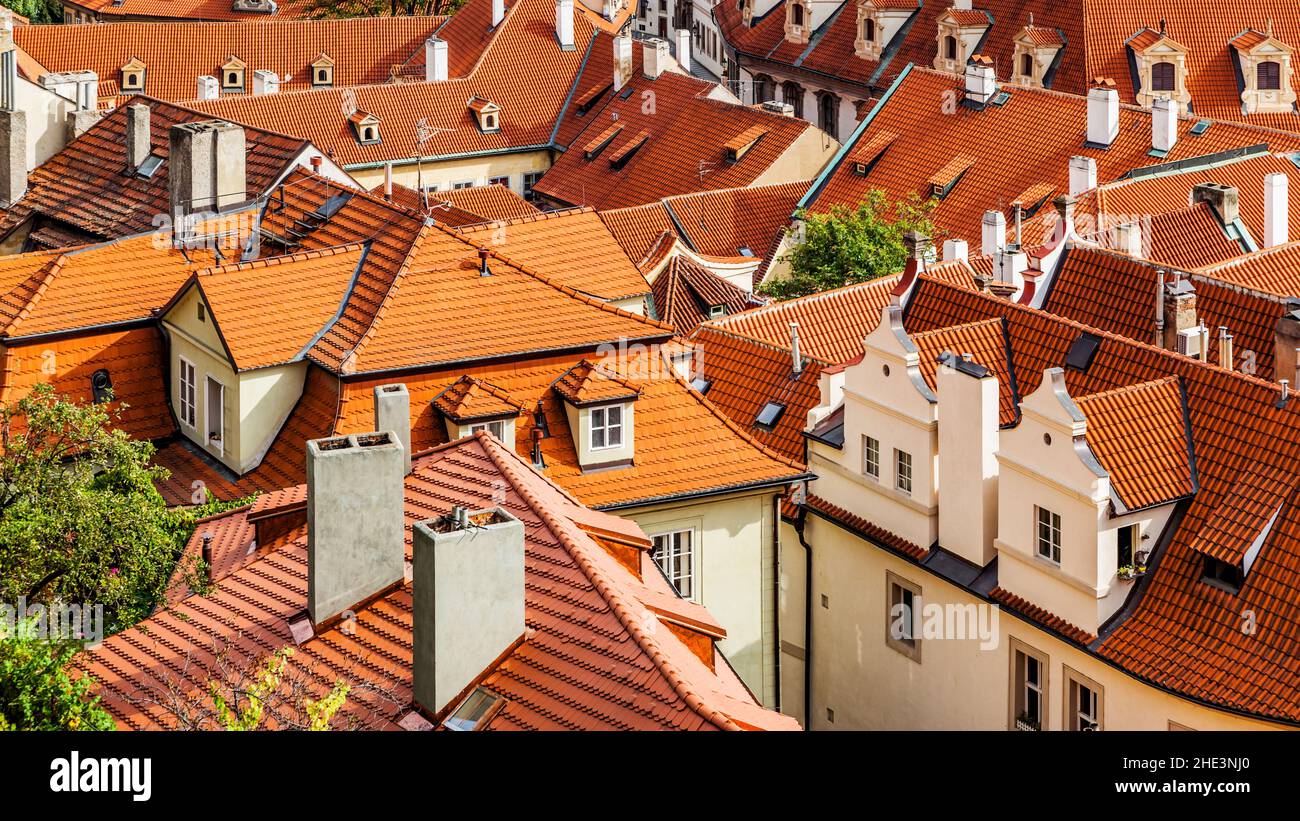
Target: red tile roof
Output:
[(184, 9), (986, 342), (685, 294), (606, 670), (468, 399), (463, 206), (588, 383)]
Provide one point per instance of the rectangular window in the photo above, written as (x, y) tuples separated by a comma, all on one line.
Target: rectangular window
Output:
[(1127, 539), (530, 179), (503, 181), (673, 552), (189, 388), (871, 457), (497, 428), (1049, 534), (472, 711), (1028, 687), (1084, 705), (607, 427), (903, 472), (457, 186), (903, 600)]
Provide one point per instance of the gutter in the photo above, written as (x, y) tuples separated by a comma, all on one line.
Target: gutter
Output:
[(807, 625)]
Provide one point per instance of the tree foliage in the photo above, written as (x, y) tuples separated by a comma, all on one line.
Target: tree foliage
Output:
[(36, 690), (846, 246), (37, 11), (323, 9)]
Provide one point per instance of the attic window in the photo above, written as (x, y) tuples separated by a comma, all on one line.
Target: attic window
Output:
[(769, 415), (1220, 574), (701, 385), (232, 76), (946, 178), (149, 166), (866, 155), (1082, 351), (133, 74), (1200, 128), (602, 140), (740, 145), (1162, 77), (717, 311), (620, 157)]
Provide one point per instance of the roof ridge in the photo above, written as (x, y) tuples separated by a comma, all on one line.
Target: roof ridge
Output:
[(201, 115), (771, 346), (281, 259), (607, 589), (933, 332), (523, 218), (1130, 388)]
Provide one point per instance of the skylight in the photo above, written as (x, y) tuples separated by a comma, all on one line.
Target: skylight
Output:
[(471, 711), (149, 166), (1081, 352), (769, 415), (701, 384)]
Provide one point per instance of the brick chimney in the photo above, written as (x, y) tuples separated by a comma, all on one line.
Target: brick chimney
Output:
[(655, 57), (1181, 329), (139, 138), (1083, 175), (622, 61), (1222, 198), (1286, 343), (564, 24), (206, 166), (1276, 206), (355, 521), (1103, 113), (393, 413), (1225, 348), (1164, 124), (684, 49), (435, 60), (467, 600)]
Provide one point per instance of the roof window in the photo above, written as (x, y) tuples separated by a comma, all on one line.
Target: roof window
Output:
[(472, 711), (770, 415)]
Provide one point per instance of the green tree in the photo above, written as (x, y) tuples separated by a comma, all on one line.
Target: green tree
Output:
[(846, 246), (37, 11), (80, 518), (320, 9), (36, 690)]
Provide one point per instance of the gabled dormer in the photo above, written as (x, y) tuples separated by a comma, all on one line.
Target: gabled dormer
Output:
[(365, 126), (1037, 53), (487, 115), (878, 22), (1263, 68), (322, 71), (470, 405), (1236, 533), (961, 29), (1160, 63), (234, 76), (254, 6), (133, 75), (601, 408), (753, 10)]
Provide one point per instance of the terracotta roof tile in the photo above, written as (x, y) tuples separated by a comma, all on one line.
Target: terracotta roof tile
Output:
[(986, 342), (1044, 617), (588, 383), (468, 399), (685, 293)]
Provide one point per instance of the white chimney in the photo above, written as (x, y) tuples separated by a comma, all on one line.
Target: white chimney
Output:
[(622, 61), (981, 84), (684, 49), (955, 249), (655, 57), (467, 591), (1083, 175), (356, 522), (435, 60), (206, 166), (208, 88), (1164, 124), (13, 155), (564, 24), (393, 412), (1009, 265), (1103, 115), (139, 140), (795, 357), (1128, 239), (1276, 202), (993, 232), (498, 12), (968, 465), (265, 82)]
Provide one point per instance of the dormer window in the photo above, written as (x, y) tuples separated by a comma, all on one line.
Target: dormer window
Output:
[(322, 72), (878, 24), (960, 32), (607, 427), (487, 114), (232, 75), (1268, 76), (1220, 574), (600, 406), (133, 74), (950, 47), (470, 406), (365, 126), (797, 22), (1161, 65), (1162, 77), (1264, 64), (1037, 51)]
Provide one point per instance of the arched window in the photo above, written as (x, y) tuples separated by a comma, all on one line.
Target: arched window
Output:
[(1162, 77), (1027, 65), (322, 76), (1268, 76), (869, 30), (792, 95), (796, 14), (950, 47), (762, 88), (828, 107)]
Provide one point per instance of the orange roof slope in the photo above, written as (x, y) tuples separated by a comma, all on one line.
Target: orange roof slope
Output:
[(571, 246), (468, 398), (363, 50), (1140, 435), (588, 383), (986, 342), (269, 312), (686, 293), (567, 674), (1042, 152), (1235, 524), (184, 9)]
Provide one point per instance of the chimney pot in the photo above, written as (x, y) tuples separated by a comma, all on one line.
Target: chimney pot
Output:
[(955, 249), (393, 413), (206, 169), (794, 348), (1276, 209), (265, 82), (316, 162), (208, 88), (1225, 348)]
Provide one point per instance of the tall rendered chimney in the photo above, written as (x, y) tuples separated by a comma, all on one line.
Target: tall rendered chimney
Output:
[(1103, 114), (207, 87), (684, 49), (393, 412), (564, 24), (355, 521), (1164, 124), (1276, 209), (1128, 239), (955, 249), (1083, 175), (13, 156), (139, 140), (467, 600), (498, 12), (206, 169), (796, 358), (435, 60), (968, 465), (622, 61), (981, 84), (993, 232), (655, 57), (265, 82)]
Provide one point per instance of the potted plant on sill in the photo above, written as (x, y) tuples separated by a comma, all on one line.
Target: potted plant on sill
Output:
[(1024, 722), (1129, 572)]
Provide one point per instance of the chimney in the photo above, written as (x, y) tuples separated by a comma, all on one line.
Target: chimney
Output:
[(435, 60), (1286, 342), (393, 413), (993, 232), (81, 121), (622, 61), (1181, 330), (961, 4), (265, 82), (388, 181), (1164, 124), (498, 12), (1225, 348), (139, 139), (483, 269), (684, 49), (1083, 175), (794, 348), (777, 107), (206, 166), (208, 88), (955, 249), (1103, 114), (968, 465), (355, 521), (1276, 202), (981, 84), (467, 600), (1128, 239), (13, 156), (655, 57), (1222, 198), (564, 26)]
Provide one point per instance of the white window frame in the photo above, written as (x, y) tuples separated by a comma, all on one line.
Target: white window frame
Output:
[(671, 562), (608, 430), (496, 427), (462, 185), (903, 471), (1090, 717), (503, 180), (1052, 541), (188, 411), (208, 380), (871, 457)]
